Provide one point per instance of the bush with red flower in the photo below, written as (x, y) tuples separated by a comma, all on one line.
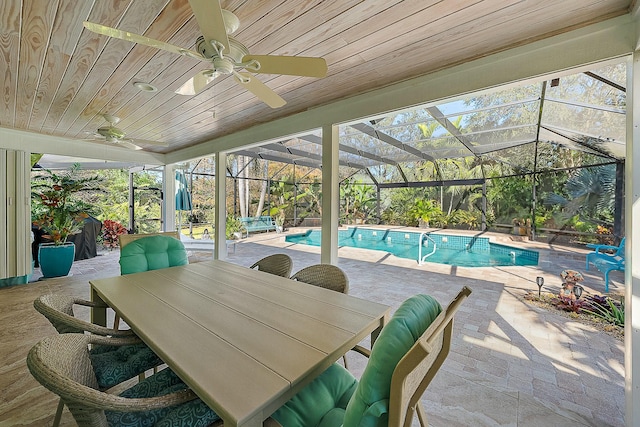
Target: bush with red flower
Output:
[(110, 232)]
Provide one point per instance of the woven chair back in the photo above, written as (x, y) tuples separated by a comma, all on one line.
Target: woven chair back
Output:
[(277, 264), (324, 275)]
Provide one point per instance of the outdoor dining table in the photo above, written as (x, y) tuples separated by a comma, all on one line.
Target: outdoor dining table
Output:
[(244, 341)]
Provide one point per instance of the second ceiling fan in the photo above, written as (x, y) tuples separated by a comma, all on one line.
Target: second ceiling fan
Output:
[(227, 55)]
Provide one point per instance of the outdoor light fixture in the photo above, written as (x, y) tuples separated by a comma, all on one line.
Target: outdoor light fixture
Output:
[(145, 87), (577, 291), (540, 282)]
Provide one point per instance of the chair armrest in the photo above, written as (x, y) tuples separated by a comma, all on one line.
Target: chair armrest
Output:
[(598, 248)]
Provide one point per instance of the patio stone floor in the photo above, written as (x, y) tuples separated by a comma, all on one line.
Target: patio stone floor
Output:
[(511, 364)]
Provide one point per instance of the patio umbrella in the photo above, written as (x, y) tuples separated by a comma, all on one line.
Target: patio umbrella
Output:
[(183, 197)]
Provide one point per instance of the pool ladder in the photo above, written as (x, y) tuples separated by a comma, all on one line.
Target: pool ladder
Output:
[(420, 257)]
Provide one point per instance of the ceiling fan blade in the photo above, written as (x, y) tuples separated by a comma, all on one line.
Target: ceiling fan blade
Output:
[(289, 65), (260, 90), (136, 38), (208, 13), (129, 145), (197, 83), (149, 142)]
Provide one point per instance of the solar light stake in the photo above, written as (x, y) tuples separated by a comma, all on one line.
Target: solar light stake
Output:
[(577, 291), (540, 282)]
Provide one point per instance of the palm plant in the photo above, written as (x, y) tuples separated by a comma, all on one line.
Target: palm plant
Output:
[(590, 194)]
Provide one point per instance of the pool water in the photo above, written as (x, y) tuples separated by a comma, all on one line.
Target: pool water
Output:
[(461, 251)]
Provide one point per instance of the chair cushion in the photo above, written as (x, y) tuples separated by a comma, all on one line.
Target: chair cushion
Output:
[(321, 403), (152, 253), (191, 414), (115, 364), (369, 405)]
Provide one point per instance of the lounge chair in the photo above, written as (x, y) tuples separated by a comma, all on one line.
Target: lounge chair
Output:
[(607, 262)]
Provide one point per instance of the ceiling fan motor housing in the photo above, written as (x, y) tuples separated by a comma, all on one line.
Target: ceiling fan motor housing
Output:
[(223, 65), (111, 133)]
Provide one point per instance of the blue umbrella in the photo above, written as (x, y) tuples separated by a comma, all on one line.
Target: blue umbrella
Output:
[(183, 196)]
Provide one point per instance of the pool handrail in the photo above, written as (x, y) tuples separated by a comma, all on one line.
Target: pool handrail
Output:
[(420, 257)]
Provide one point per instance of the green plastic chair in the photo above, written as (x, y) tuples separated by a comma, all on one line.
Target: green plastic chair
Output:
[(606, 262), (404, 359)]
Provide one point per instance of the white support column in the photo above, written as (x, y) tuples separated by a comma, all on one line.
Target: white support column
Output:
[(632, 230), (220, 251), (15, 214), (169, 202), (330, 195)]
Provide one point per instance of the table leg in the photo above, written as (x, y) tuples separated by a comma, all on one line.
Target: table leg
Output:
[(376, 332), (98, 314)]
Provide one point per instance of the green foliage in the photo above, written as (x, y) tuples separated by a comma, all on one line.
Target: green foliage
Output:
[(56, 207), (425, 210), (357, 199), (590, 195), (606, 309), (233, 225)]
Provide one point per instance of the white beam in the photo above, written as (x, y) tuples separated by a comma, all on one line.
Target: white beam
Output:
[(220, 251), (330, 195), (632, 231), (14, 139), (169, 202)]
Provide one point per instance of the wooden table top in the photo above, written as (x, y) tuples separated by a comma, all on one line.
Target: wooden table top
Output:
[(245, 341)]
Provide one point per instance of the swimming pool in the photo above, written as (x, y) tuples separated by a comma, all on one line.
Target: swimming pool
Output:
[(463, 251)]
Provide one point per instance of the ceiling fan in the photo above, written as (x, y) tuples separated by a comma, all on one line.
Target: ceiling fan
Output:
[(111, 134), (226, 55)]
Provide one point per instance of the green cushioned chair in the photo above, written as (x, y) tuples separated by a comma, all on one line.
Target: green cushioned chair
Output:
[(404, 359), (62, 364), (153, 252)]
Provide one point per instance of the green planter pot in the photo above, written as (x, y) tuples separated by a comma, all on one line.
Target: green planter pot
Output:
[(56, 261)]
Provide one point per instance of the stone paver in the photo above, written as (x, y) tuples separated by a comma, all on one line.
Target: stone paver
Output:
[(510, 364)]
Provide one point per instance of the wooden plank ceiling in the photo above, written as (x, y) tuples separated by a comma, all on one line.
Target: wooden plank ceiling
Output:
[(59, 78)]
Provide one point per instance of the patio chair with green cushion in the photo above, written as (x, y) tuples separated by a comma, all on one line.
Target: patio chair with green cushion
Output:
[(62, 364), (111, 365), (405, 358), (278, 264), (152, 252)]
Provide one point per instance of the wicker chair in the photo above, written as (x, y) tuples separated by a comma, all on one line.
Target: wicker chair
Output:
[(324, 275), (111, 365), (62, 364), (278, 264), (404, 360)]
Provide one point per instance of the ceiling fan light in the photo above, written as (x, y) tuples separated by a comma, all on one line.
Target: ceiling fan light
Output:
[(145, 87)]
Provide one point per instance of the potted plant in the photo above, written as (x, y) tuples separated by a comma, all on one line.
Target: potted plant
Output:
[(59, 213), (234, 228), (424, 211)]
